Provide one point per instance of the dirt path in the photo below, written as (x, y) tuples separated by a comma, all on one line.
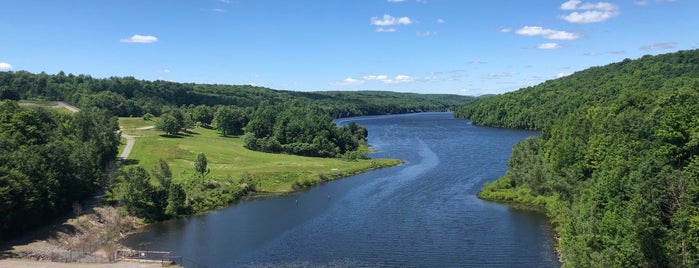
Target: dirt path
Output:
[(60, 104)]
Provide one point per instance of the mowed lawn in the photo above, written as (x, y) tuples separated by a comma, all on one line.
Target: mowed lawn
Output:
[(228, 159)]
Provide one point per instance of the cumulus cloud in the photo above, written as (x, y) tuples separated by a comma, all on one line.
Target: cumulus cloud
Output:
[(400, 79), (349, 81), (586, 12), (388, 20), (549, 46), (547, 33), (140, 39), (4, 66), (660, 46), (376, 77), (506, 30), (441, 21)]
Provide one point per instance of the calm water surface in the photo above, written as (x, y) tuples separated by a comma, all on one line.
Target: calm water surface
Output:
[(423, 213)]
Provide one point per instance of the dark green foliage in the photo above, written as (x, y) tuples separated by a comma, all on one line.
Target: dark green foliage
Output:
[(300, 130), (49, 161), (617, 160), (176, 200), (127, 96), (169, 124), (230, 120), (139, 196)]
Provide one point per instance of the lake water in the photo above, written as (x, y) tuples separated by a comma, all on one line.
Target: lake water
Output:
[(424, 213)]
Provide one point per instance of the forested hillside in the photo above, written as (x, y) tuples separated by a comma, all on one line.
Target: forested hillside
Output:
[(617, 162), (50, 162), (629, 81), (127, 96)]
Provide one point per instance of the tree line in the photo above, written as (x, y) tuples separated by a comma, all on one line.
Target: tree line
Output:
[(617, 161), (127, 96)]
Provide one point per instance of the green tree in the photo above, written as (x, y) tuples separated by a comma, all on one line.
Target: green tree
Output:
[(169, 124), (176, 200), (229, 120), (162, 173), (201, 165), (139, 196)]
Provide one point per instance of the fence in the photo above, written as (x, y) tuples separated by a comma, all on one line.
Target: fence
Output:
[(163, 257)]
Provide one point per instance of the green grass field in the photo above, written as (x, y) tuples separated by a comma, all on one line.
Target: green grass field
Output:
[(228, 159)]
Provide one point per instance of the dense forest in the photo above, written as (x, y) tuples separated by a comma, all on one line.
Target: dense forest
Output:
[(127, 96), (50, 161), (617, 161)]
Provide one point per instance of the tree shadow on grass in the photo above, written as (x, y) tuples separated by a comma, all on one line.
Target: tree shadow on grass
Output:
[(128, 162), (177, 136)]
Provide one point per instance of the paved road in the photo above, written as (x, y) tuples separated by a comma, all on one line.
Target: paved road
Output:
[(130, 141)]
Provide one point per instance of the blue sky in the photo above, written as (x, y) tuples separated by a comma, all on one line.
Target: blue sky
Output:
[(425, 46)]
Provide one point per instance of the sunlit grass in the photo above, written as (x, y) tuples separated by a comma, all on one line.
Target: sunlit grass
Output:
[(228, 159)]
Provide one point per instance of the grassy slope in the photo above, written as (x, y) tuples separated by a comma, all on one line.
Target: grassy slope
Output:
[(228, 159)]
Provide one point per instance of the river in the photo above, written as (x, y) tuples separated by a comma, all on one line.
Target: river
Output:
[(423, 213)]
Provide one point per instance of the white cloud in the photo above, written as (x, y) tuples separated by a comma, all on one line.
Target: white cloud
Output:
[(660, 46), (4, 66), (349, 81), (385, 30), (441, 21), (375, 77), (589, 16), (570, 5), (166, 71), (547, 33), (389, 20), (559, 75), (506, 30), (592, 53), (400, 79), (140, 39), (591, 12), (549, 46)]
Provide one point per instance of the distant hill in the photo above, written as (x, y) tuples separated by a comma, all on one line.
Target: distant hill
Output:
[(617, 161), (127, 96), (640, 80)]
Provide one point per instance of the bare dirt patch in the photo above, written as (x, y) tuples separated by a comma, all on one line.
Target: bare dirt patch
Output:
[(89, 238)]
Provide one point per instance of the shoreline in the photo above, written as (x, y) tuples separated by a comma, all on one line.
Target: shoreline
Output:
[(93, 236)]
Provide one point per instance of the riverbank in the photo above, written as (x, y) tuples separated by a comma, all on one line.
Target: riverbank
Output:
[(94, 235), (90, 237), (501, 191)]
